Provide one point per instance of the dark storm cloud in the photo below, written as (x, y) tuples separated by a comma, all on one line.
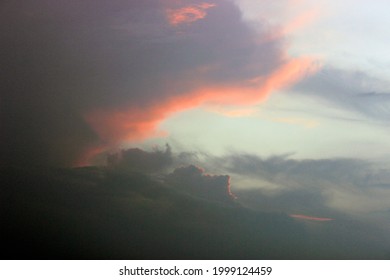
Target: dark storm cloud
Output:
[(354, 91), (62, 60)]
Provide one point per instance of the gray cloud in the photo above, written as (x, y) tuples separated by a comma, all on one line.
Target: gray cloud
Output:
[(135, 159), (335, 188), (175, 170), (354, 91), (277, 167), (195, 181)]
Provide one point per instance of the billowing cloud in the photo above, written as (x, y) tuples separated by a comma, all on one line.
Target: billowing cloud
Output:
[(195, 181), (80, 78), (142, 161), (189, 179)]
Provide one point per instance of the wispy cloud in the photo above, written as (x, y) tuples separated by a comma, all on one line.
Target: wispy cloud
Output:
[(352, 91), (310, 218)]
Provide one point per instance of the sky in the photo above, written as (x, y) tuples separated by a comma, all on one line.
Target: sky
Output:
[(284, 104)]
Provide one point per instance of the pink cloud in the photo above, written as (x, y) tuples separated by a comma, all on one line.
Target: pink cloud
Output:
[(310, 218), (188, 14)]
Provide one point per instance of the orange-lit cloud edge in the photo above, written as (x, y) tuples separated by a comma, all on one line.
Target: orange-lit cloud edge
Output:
[(135, 124)]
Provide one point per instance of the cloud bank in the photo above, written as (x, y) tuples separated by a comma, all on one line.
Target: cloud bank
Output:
[(335, 188), (318, 189), (106, 213)]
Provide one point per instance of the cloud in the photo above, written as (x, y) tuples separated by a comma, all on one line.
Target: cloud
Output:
[(81, 78), (188, 14), (194, 181), (310, 218), (337, 169), (103, 213), (96, 213), (353, 91), (163, 165), (334, 187), (142, 161)]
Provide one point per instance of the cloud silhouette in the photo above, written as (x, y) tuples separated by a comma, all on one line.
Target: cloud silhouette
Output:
[(195, 181), (135, 159)]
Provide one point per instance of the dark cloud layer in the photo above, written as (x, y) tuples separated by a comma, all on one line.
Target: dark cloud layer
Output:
[(330, 188), (69, 66), (95, 214), (99, 213)]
